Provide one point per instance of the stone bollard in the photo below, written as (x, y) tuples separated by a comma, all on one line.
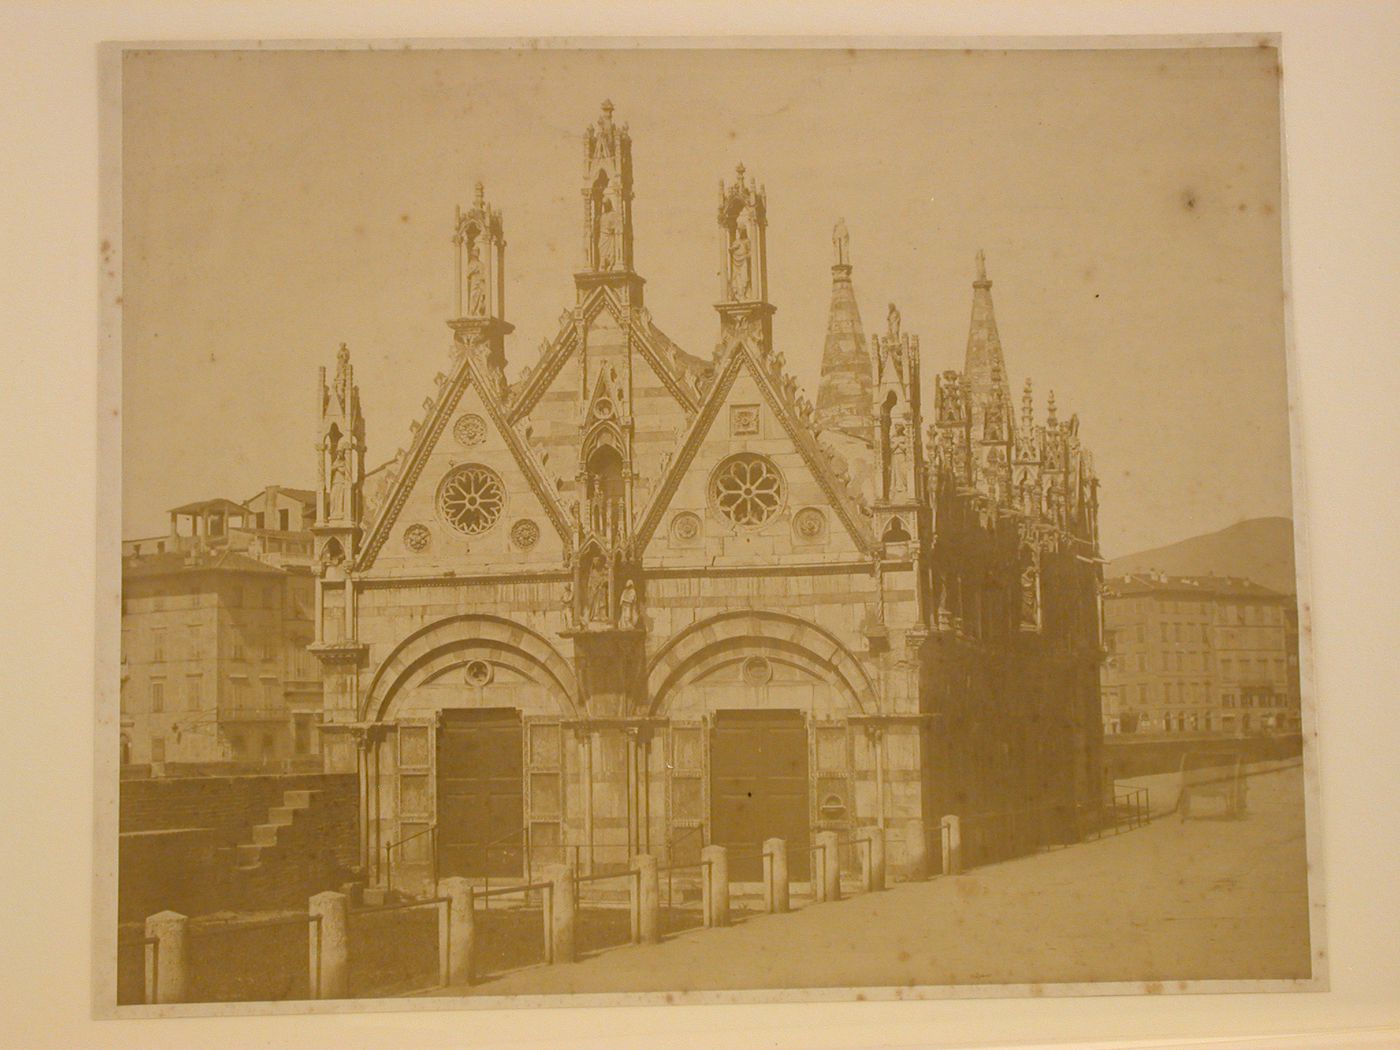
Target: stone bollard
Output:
[(563, 908), (872, 861), (916, 850), (830, 859), (648, 905), (716, 885), (334, 962), (461, 936), (165, 981), (775, 876), (952, 845)]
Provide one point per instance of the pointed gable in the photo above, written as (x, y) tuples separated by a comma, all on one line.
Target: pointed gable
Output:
[(750, 479), (470, 491)]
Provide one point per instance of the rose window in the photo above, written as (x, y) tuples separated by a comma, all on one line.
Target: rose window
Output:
[(747, 489), (471, 499), (470, 430)]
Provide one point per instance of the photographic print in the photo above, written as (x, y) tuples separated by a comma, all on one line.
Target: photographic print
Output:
[(700, 523)]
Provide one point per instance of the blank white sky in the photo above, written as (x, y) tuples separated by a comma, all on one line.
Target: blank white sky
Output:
[(279, 203)]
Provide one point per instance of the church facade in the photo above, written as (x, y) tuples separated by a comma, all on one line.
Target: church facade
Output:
[(640, 601)]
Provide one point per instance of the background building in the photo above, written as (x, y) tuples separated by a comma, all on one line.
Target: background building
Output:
[(641, 600), (1199, 654), (216, 620)]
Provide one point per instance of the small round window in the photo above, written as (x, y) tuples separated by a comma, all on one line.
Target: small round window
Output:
[(471, 499), (747, 489)]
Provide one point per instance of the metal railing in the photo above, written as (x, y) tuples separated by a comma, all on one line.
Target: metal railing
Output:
[(430, 830), (546, 889), (305, 918), (634, 906), (150, 964), (444, 906)]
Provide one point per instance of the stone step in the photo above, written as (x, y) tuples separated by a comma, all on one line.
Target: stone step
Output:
[(283, 815), (248, 854), (298, 798), (266, 834)]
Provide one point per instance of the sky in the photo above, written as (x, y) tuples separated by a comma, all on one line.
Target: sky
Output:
[(276, 204)]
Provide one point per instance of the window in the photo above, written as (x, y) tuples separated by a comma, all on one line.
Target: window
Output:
[(266, 742), (239, 688), (196, 651), (157, 749), (284, 520), (747, 489), (157, 697), (1166, 632), (269, 646), (236, 644), (158, 644), (301, 728), (239, 744), (194, 687), (471, 498)]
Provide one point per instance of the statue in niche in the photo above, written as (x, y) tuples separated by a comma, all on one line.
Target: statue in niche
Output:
[(598, 611), (899, 454), (567, 600), (627, 616), (340, 485), (892, 322), (607, 237), (740, 265), (476, 282), (1030, 601)]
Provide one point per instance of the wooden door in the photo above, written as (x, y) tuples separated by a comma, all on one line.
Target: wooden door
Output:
[(759, 788), (480, 793)]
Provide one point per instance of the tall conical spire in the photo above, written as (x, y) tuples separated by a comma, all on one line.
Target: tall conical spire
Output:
[(984, 369), (843, 395)]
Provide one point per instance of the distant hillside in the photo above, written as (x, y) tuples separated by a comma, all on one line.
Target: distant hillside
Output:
[(1260, 549)]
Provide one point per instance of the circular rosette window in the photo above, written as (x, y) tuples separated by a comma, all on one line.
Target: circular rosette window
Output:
[(471, 499), (747, 489)]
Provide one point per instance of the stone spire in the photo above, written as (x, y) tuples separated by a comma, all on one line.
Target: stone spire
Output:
[(843, 395), (984, 369)]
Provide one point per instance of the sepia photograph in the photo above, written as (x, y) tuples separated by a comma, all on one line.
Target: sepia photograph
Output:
[(699, 523)]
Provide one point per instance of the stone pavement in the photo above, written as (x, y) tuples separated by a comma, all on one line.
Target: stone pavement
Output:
[(1203, 899)]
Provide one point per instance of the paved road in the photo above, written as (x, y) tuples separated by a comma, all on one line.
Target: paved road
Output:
[(1203, 899)]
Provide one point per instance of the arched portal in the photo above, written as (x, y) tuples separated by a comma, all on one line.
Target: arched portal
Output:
[(467, 768), (759, 708)]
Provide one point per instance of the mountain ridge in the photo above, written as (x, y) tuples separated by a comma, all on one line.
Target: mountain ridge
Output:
[(1260, 549)]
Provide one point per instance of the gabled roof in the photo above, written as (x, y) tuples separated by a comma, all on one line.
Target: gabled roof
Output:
[(800, 432), (676, 369), (469, 371)]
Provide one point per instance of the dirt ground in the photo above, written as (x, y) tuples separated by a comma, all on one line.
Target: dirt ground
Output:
[(1204, 899)]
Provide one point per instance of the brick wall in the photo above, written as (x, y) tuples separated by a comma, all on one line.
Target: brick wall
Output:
[(179, 839), (228, 805)]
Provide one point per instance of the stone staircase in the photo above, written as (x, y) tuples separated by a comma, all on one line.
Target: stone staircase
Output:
[(292, 854), (266, 836)]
